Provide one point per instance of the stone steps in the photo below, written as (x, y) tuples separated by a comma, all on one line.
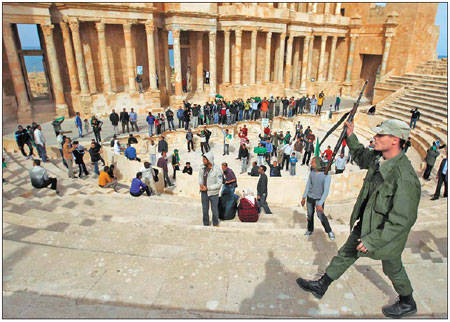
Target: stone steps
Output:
[(430, 100), (405, 114), (425, 111), (421, 80), (437, 107)]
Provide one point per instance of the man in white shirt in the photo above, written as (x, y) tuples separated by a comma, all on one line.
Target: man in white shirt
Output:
[(341, 160), (288, 149), (39, 177), (39, 139)]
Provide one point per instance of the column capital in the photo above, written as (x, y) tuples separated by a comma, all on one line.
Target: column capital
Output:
[(47, 30), (269, 34), (127, 27), (100, 26), (74, 26), (283, 35), (324, 37), (226, 32), (254, 33), (354, 36), (238, 32), (149, 26), (212, 35), (335, 38), (291, 38), (389, 35), (64, 26), (176, 33)]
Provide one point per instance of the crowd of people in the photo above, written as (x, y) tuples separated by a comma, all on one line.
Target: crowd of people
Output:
[(273, 152)]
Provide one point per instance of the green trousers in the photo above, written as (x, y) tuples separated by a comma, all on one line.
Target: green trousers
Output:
[(347, 255)]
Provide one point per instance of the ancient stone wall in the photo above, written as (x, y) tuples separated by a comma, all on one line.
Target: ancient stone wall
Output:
[(106, 42)]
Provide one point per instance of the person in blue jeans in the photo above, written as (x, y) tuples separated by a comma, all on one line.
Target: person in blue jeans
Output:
[(138, 187), (229, 180), (293, 162), (79, 124), (95, 157), (151, 123)]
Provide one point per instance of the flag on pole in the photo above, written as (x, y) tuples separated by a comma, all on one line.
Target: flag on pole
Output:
[(317, 152)]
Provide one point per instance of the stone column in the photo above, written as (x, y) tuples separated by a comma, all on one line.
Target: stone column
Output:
[(177, 62), (287, 76), (200, 61), (60, 102), (296, 63), (305, 61), (104, 58), (253, 58), (237, 75), (226, 58), (348, 72), (75, 28), (322, 58), (281, 57), (167, 70), (387, 47), (310, 7), (149, 29), (129, 54), (23, 104), (212, 64), (70, 59), (338, 9), (314, 7), (268, 52), (310, 52), (331, 63), (327, 8)]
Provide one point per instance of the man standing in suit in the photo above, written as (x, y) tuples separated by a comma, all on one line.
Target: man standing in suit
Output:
[(442, 176), (125, 119)]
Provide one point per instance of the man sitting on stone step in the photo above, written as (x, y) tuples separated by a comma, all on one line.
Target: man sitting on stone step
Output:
[(105, 181), (39, 177)]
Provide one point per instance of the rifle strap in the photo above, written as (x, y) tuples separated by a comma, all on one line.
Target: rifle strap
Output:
[(334, 127)]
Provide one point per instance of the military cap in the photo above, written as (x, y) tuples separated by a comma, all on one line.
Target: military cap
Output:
[(393, 127)]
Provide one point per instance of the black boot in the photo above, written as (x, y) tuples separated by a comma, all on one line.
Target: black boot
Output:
[(403, 307), (317, 288)]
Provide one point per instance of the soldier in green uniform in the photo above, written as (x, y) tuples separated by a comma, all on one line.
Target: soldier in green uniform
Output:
[(385, 211)]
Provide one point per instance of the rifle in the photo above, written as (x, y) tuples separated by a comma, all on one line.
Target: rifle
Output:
[(344, 130)]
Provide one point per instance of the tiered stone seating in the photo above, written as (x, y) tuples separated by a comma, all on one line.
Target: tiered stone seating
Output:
[(426, 91), (116, 250)]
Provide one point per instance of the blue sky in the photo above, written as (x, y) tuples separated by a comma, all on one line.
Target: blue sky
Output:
[(441, 20)]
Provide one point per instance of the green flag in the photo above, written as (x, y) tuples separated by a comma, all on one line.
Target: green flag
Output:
[(317, 152)]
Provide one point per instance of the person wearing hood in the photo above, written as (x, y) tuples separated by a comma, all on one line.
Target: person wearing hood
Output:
[(210, 181), (316, 191), (175, 163)]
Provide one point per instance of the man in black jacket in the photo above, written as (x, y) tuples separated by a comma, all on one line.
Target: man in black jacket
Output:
[(415, 115), (169, 117), (186, 116), (285, 103), (262, 189), (22, 138), (162, 145), (125, 119), (114, 118)]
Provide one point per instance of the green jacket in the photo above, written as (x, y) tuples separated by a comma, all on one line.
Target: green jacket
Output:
[(431, 156), (391, 209)]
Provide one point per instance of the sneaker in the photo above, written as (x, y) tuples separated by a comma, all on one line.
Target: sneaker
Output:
[(308, 233), (331, 235)]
